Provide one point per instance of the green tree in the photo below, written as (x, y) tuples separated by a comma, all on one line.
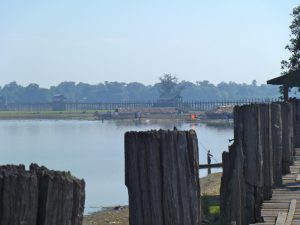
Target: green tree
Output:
[(169, 88), (293, 63), (33, 94)]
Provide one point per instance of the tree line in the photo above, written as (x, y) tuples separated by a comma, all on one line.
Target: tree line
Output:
[(119, 91)]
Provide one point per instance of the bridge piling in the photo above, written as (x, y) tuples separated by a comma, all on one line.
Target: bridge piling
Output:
[(161, 174), (262, 152), (276, 123), (40, 196)]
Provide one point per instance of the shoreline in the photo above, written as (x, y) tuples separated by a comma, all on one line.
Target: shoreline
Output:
[(122, 118), (46, 115), (210, 187)]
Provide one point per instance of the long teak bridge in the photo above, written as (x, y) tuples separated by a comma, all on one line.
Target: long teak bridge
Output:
[(83, 106)]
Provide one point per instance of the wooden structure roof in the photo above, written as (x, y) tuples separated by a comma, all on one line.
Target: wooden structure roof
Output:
[(291, 80)]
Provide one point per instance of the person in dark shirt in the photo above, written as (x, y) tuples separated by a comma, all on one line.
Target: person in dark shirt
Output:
[(209, 161), (209, 157)]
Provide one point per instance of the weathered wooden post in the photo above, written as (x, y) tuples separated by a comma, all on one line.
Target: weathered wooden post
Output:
[(232, 193), (249, 135), (242, 181), (61, 197), (296, 118), (161, 174), (40, 196), (287, 136), (19, 196), (276, 142), (266, 137)]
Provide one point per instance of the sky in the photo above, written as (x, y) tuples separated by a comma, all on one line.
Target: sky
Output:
[(93, 41)]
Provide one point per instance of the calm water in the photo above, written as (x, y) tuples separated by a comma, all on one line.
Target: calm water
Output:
[(91, 150)]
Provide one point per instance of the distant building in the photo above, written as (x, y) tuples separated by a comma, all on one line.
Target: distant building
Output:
[(58, 102), (169, 102)]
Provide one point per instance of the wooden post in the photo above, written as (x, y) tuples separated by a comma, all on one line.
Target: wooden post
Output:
[(276, 142), (161, 174), (40, 196), (242, 180), (266, 137), (287, 136), (285, 92), (296, 118)]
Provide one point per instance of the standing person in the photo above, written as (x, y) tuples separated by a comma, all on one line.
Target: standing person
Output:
[(209, 162), (209, 157)]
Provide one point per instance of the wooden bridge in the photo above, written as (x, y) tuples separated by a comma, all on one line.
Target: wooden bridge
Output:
[(284, 206), (79, 106)]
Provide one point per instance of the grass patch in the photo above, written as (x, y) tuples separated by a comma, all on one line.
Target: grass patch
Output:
[(214, 210), (210, 210), (84, 114)]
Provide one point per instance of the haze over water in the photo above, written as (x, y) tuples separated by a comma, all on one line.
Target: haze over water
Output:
[(91, 150)]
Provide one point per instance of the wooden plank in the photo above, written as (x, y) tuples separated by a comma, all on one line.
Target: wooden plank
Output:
[(281, 218), (291, 212), (270, 213), (205, 166), (262, 224)]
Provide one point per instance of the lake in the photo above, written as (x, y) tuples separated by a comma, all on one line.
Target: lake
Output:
[(92, 150)]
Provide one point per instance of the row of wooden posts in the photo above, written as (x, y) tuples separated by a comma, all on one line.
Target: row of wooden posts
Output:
[(161, 167), (265, 136)]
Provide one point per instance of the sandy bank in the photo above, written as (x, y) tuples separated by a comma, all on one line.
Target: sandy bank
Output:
[(210, 185)]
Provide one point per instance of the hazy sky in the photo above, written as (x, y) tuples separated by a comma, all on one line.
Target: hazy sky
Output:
[(93, 41)]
